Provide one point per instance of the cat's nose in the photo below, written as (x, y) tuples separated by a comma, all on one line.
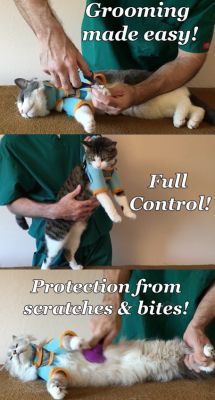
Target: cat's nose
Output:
[(14, 352)]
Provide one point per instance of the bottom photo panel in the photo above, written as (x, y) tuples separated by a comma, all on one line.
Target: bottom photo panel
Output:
[(107, 334)]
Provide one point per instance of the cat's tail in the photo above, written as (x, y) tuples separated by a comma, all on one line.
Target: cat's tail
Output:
[(209, 111), (21, 221)]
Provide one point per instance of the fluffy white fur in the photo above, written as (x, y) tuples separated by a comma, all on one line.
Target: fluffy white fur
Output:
[(126, 363), (175, 104)]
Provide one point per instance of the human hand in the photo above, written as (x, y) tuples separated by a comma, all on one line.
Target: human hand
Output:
[(122, 96), (106, 327), (70, 209), (61, 59), (196, 339)]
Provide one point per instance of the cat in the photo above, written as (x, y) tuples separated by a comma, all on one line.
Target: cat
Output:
[(36, 100), (67, 361), (96, 176)]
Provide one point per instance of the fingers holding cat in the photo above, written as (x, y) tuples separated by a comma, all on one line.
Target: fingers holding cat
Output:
[(61, 59), (121, 97), (196, 339), (70, 209)]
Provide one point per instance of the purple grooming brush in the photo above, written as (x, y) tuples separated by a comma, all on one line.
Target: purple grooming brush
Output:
[(96, 354)]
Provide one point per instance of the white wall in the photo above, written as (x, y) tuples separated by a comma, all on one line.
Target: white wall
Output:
[(155, 238), (19, 49)]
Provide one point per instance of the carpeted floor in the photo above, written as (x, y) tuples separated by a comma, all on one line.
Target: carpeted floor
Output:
[(12, 122), (10, 389)]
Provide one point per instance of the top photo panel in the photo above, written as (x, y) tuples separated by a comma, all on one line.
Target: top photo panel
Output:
[(107, 67)]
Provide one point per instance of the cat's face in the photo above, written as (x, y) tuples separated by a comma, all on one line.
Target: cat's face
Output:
[(101, 152), (31, 101), (19, 355)]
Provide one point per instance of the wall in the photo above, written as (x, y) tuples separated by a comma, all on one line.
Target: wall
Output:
[(20, 49), (16, 287), (155, 238)]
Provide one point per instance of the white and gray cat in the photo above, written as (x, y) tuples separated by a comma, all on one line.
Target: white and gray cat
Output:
[(123, 364), (96, 176), (177, 104)]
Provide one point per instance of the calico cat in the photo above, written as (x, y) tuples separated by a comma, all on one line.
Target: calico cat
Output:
[(39, 98), (67, 361), (96, 176)]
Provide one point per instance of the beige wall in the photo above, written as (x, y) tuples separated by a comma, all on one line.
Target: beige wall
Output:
[(155, 238), (19, 48), (16, 287)]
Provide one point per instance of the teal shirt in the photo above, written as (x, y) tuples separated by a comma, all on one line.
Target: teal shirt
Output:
[(142, 54)]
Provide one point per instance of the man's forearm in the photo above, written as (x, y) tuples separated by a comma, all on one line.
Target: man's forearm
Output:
[(115, 276), (205, 312), (170, 76), (32, 209), (39, 16)]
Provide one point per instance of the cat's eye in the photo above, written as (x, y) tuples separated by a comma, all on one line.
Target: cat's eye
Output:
[(16, 346)]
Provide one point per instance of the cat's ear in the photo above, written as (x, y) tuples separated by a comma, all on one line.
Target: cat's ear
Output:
[(14, 337), (30, 338), (21, 83), (113, 143), (87, 144)]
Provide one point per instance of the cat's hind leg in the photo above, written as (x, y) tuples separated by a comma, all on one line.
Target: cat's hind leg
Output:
[(57, 386), (122, 200), (53, 247), (196, 117), (182, 112), (85, 116), (72, 244)]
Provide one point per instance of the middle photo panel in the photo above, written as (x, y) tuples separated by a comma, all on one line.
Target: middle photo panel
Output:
[(74, 201)]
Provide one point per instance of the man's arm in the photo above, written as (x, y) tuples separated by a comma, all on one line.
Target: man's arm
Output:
[(59, 56), (167, 78), (107, 326), (195, 335), (67, 208)]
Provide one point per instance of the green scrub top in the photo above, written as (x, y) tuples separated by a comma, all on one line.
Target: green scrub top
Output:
[(36, 166), (194, 284), (142, 54)]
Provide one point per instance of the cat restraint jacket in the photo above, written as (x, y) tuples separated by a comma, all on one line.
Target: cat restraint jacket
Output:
[(46, 357)]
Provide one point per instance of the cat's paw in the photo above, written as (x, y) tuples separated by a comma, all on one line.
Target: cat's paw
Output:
[(77, 343), (45, 266), (209, 351), (193, 124), (178, 123), (76, 267), (116, 218), (129, 214), (57, 390), (90, 126)]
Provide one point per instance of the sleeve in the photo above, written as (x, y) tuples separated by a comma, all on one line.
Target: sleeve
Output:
[(202, 15), (15, 180), (115, 184), (56, 345), (97, 181)]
